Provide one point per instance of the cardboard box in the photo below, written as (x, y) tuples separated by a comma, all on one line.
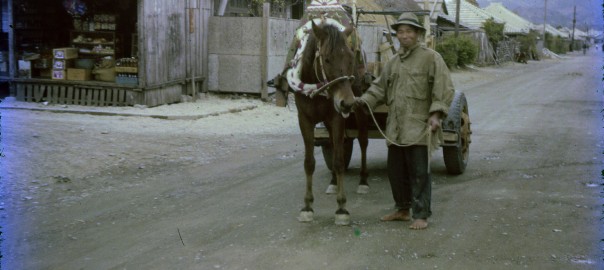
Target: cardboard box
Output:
[(78, 74), (65, 53), (59, 74), (62, 64)]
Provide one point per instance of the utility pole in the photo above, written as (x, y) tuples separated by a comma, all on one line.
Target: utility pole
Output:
[(428, 26), (572, 38), (544, 21), (457, 18)]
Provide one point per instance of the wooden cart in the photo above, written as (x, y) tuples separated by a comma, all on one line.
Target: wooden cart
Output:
[(456, 127)]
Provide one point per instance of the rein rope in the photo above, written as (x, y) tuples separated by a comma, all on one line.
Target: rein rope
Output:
[(427, 133)]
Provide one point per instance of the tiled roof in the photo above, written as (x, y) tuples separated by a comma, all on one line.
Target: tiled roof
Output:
[(551, 30), (470, 15), (435, 10), (368, 5), (513, 22), (579, 35)]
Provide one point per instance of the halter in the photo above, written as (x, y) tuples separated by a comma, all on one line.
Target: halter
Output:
[(301, 36), (327, 82)]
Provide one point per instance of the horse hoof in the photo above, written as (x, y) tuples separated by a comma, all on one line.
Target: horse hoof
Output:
[(362, 189), (331, 189), (342, 219), (305, 216)]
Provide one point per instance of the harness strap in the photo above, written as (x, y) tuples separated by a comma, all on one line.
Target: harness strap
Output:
[(339, 79)]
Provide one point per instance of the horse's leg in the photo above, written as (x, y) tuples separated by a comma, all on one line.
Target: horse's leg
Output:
[(333, 184), (363, 138), (337, 136), (306, 127)]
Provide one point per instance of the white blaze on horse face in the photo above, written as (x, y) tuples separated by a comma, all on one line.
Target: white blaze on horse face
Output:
[(341, 65), (343, 98)]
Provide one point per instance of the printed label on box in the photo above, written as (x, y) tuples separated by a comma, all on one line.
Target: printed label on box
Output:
[(65, 53), (58, 74), (62, 63)]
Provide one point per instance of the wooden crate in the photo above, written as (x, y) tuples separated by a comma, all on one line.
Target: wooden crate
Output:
[(78, 74), (93, 93), (65, 53), (58, 74), (119, 69), (77, 94), (62, 64)]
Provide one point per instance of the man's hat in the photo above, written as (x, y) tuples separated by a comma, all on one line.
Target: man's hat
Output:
[(407, 18)]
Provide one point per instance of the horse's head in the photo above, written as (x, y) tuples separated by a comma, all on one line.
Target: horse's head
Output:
[(334, 62)]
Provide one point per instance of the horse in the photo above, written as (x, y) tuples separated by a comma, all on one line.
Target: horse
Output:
[(327, 60)]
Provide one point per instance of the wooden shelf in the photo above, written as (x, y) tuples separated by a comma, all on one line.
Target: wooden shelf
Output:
[(93, 43), (109, 38), (94, 53)]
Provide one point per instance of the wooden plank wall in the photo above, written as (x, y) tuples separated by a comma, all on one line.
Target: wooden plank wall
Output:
[(155, 97), (173, 47), (207, 11), (162, 30), (197, 17)]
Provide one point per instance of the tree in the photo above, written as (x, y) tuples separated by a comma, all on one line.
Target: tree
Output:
[(528, 44), (458, 51), (494, 31)]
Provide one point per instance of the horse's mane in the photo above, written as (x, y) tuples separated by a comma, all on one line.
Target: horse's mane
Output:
[(308, 56)]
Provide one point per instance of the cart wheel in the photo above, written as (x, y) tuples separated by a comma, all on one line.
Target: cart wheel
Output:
[(327, 150), (458, 119)]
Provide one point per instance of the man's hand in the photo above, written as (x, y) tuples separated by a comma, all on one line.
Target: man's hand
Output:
[(434, 121), (359, 104)]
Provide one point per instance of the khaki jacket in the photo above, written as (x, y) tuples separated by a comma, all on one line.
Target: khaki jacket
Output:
[(413, 84)]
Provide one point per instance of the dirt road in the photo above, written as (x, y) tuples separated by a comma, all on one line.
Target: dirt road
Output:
[(116, 192)]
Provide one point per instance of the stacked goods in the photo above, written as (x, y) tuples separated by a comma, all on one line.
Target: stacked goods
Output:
[(105, 70), (127, 71), (61, 61), (104, 22)]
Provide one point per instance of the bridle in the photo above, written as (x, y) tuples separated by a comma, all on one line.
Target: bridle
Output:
[(328, 83)]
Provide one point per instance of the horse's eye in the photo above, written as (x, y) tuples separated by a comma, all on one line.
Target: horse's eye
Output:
[(327, 60)]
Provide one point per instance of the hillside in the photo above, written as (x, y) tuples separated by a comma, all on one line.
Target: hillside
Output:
[(559, 12)]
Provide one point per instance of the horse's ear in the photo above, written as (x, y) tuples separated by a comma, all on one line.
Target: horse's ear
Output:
[(317, 31), (348, 31)]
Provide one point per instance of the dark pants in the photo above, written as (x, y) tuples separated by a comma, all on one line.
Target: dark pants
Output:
[(410, 180)]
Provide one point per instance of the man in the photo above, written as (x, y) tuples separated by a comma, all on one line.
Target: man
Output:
[(416, 86)]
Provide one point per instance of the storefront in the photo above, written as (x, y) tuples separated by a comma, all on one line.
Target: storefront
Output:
[(111, 52)]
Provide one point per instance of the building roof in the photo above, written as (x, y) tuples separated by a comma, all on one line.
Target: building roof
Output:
[(579, 35), (470, 15), (444, 15), (551, 30), (381, 5), (513, 22), (435, 7)]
